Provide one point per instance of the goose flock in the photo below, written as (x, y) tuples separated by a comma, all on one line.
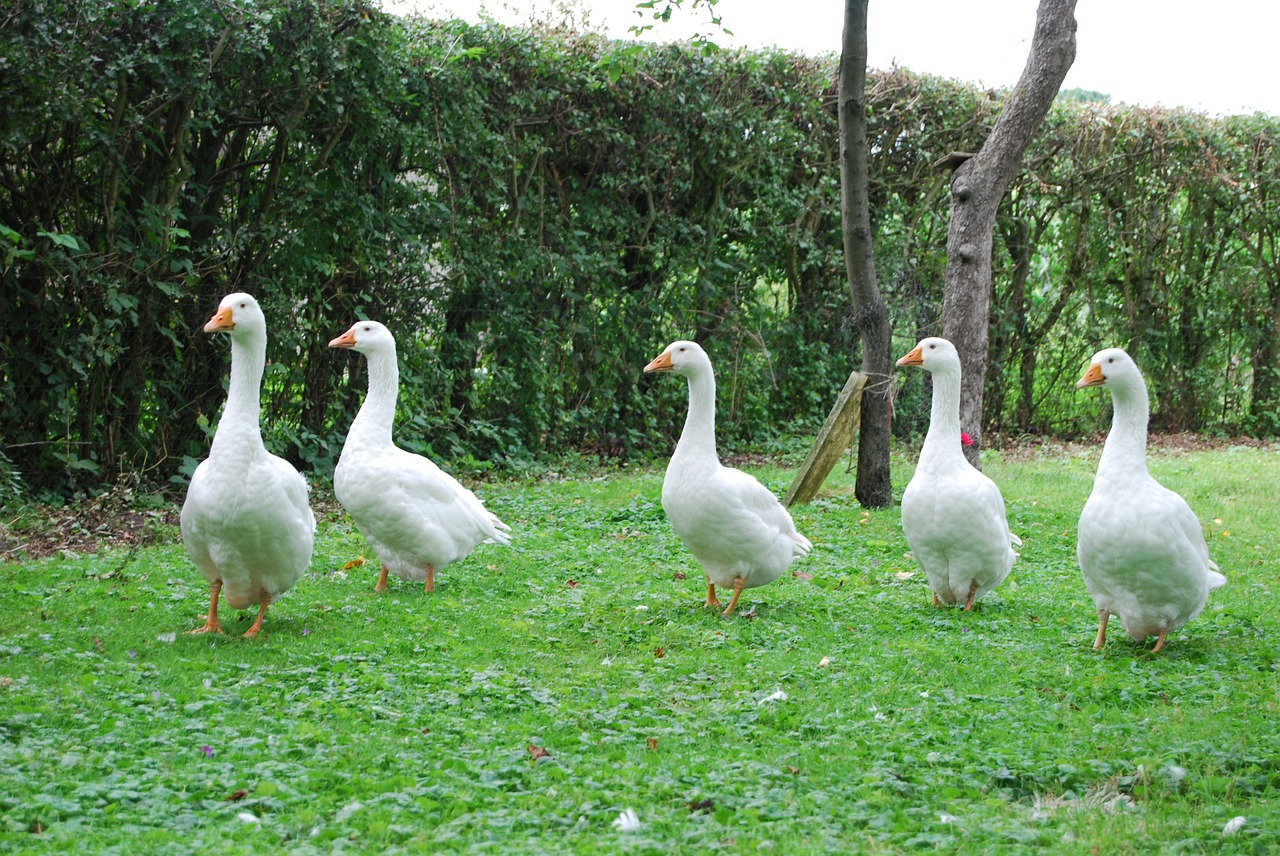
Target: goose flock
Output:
[(248, 527)]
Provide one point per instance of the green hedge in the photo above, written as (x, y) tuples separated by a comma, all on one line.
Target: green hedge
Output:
[(537, 213)]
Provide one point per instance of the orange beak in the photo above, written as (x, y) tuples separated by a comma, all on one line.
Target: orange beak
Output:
[(660, 363), (221, 321), (914, 357), (1093, 377), (346, 340)]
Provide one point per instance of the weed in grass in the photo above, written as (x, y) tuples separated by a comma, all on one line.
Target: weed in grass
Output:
[(547, 690)]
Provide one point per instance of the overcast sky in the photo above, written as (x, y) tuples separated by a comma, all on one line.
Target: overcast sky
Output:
[(1209, 56)]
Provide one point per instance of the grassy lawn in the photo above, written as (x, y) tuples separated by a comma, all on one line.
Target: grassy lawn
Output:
[(543, 689)]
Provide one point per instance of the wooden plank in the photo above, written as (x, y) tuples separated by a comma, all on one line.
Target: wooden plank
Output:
[(835, 436)]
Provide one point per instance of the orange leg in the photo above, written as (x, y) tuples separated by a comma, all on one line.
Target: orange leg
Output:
[(712, 600), (211, 624), (1160, 642), (431, 579), (382, 581), (936, 602), (738, 583), (973, 591), (1103, 615), (257, 622)]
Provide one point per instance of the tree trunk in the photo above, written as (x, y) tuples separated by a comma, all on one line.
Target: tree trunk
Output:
[(871, 317), (977, 186)]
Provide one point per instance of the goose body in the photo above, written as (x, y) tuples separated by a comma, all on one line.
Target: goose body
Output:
[(1140, 546), (416, 517), (952, 515), (738, 531), (246, 522)]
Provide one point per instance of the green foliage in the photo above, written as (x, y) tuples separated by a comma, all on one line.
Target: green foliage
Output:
[(403, 722), (535, 213), (1086, 95)]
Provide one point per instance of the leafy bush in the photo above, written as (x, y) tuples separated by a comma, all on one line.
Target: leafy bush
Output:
[(536, 212)]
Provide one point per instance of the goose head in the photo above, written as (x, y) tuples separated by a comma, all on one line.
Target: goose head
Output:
[(367, 337), (239, 315), (1111, 367), (932, 354), (682, 357)]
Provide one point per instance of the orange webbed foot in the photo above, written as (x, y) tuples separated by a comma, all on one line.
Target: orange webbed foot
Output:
[(738, 584), (1101, 639), (712, 601)]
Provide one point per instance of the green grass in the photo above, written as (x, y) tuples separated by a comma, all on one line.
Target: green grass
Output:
[(403, 722)]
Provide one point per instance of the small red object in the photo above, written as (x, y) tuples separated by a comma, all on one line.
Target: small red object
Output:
[(965, 439)]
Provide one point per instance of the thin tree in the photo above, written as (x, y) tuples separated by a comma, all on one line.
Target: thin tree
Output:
[(870, 316), (978, 183)]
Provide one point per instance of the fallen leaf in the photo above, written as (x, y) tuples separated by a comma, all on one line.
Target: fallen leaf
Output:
[(703, 805), (824, 662), (905, 575), (795, 771), (536, 752), (659, 653), (236, 796), (354, 563), (572, 583), (97, 643), (677, 576), (651, 743), (801, 575)]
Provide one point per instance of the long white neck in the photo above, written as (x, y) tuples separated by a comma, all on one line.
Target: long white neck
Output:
[(239, 422), (698, 440), (1126, 446), (372, 425), (942, 442)]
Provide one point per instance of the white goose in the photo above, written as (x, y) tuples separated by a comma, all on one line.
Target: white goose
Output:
[(1140, 546), (416, 516), (952, 514), (734, 526), (245, 522)]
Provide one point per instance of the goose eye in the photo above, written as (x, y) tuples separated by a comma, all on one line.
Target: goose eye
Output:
[(931, 347)]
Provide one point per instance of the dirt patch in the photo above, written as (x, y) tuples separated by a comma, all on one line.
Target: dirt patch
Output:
[(1027, 447), (109, 521)]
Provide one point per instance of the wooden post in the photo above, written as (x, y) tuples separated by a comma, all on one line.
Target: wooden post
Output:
[(836, 435)]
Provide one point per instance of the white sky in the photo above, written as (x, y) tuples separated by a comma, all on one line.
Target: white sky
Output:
[(1209, 56)]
